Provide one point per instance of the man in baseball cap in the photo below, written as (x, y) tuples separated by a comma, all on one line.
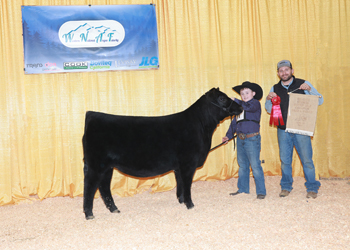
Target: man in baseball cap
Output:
[(286, 140)]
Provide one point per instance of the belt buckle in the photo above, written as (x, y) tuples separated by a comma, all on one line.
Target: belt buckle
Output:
[(242, 136)]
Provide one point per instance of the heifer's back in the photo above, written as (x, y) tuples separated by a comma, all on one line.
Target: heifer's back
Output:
[(150, 146)]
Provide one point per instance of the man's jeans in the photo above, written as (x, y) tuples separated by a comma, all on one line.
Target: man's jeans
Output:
[(248, 154), (302, 143)]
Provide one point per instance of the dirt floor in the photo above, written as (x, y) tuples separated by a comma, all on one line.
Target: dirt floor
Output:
[(158, 221)]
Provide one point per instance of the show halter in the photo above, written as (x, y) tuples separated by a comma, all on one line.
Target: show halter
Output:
[(227, 110), (223, 108), (234, 143)]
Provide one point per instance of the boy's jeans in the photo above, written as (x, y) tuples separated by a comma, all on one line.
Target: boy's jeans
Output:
[(248, 154), (302, 143)]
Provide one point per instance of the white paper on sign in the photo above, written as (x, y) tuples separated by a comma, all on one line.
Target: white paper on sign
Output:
[(302, 114)]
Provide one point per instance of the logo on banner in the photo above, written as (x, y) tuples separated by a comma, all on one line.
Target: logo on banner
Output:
[(125, 63), (75, 65), (91, 34), (100, 64), (34, 65), (149, 63), (50, 66)]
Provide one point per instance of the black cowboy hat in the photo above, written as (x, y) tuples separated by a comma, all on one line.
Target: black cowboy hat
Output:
[(250, 85)]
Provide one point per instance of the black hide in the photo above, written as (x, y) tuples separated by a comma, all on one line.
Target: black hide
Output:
[(151, 146)]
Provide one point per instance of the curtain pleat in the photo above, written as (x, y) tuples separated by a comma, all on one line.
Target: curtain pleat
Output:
[(202, 44)]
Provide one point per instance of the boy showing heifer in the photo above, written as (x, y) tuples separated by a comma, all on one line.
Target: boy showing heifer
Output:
[(247, 128)]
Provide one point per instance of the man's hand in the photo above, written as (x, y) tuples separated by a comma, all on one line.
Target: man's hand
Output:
[(304, 86), (271, 95)]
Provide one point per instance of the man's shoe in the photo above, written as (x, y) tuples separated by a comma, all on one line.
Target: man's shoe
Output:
[(311, 195), (284, 193), (234, 193), (260, 196)]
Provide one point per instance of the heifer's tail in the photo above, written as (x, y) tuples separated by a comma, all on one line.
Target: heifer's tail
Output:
[(88, 115)]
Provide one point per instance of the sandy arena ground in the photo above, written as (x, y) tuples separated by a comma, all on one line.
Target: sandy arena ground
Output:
[(158, 221)]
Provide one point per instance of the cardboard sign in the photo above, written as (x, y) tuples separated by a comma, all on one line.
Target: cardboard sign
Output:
[(302, 114)]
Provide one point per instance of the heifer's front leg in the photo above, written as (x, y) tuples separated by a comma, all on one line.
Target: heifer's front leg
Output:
[(179, 186), (187, 178), (105, 190)]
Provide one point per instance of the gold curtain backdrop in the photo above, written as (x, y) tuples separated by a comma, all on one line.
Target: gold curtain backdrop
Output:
[(202, 44)]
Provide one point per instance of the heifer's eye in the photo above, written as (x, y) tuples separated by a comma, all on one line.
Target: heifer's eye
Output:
[(221, 99)]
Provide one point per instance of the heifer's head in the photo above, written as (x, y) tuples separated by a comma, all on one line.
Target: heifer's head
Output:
[(222, 101)]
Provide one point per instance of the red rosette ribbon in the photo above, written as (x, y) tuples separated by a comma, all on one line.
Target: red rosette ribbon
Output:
[(276, 113)]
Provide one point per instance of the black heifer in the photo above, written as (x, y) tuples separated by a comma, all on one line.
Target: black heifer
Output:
[(151, 146)]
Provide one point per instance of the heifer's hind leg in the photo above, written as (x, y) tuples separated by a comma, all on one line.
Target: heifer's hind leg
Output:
[(90, 187), (179, 186), (105, 190)]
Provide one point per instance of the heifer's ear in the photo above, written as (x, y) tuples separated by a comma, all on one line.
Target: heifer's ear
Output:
[(218, 88)]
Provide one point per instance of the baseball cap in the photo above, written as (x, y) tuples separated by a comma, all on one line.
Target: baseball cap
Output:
[(284, 63)]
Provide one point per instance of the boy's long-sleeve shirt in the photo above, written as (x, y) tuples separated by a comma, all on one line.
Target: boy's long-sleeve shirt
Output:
[(248, 120)]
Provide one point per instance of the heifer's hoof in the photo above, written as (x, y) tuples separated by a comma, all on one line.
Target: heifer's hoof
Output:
[(189, 205), (181, 199), (89, 217), (115, 211)]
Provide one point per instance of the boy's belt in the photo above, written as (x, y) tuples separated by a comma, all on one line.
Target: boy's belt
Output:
[(243, 136)]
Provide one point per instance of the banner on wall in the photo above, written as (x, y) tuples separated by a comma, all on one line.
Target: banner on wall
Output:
[(89, 38)]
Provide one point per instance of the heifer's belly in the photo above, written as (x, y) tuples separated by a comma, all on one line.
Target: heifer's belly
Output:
[(144, 171), (144, 163)]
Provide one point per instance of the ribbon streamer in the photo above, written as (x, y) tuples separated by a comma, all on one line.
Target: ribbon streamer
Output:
[(276, 113)]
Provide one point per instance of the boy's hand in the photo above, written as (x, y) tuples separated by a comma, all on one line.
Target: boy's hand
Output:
[(271, 95), (225, 139)]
